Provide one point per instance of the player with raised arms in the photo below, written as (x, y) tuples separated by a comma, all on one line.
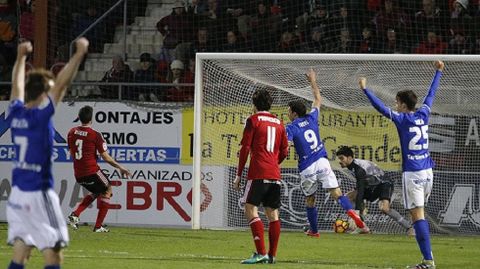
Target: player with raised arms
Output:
[(313, 164), (264, 138), (34, 214), (84, 142), (417, 164)]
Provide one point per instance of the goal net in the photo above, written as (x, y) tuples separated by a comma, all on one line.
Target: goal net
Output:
[(224, 86)]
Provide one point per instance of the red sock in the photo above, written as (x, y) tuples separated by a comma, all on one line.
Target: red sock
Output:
[(86, 201), (356, 218), (256, 225), (103, 204), (273, 237)]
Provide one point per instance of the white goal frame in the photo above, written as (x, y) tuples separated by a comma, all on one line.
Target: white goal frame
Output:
[(198, 102)]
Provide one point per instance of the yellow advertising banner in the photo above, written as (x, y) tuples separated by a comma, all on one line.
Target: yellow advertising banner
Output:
[(371, 136)]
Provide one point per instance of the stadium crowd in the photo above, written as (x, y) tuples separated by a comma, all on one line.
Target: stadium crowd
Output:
[(284, 26)]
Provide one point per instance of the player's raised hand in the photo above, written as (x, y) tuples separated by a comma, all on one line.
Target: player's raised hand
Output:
[(362, 82), (311, 76), (82, 45), (24, 48), (439, 65), (236, 183)]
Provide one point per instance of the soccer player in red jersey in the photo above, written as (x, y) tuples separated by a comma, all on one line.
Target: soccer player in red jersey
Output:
[(84, 143), (265, 139)]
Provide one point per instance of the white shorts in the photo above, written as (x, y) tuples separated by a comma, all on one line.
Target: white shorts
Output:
[(417, 187), (36, 218), (319, 171)]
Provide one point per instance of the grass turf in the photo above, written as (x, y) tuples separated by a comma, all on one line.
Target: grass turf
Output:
[(129, 248)]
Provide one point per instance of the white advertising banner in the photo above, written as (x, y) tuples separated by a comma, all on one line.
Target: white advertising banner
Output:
[(149, 144)]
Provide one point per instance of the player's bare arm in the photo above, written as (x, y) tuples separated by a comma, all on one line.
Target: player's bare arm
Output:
[(18, 74), (317, 98), (236, 183), (66, 76), (124, 171), (362, 82)]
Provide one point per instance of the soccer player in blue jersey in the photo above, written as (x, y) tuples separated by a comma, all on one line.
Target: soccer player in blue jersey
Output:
[(313, 164), (34, 215), (417, 177)]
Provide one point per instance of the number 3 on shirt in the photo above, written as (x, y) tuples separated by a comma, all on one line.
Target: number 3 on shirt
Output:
[(78, 153), (419, 132)]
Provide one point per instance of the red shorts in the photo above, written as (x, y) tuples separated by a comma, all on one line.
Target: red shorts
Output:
[(97, 183)]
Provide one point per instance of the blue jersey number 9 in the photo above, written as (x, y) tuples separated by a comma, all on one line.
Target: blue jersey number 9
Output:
[(311, 138)]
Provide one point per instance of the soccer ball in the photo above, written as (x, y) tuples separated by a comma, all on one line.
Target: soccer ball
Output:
[(340, 226)]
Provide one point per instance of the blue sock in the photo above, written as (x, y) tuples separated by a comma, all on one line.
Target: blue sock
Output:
[(14, 265), (422, 234), (312, 215), (344, 203), (52, 266)]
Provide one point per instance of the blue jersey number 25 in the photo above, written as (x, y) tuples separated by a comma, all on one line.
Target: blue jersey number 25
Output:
[(420, 132)]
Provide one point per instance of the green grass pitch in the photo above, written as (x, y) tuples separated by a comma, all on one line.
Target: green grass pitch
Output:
[(176, 248)]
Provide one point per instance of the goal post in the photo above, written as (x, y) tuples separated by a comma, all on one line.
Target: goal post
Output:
[(224, 83)]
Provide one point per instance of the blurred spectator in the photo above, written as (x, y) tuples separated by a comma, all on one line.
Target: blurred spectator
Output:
[(190, 78), (393, 43), (265, 28), (477, 20), (373, 6), (5, 76), (215, 20), (190, 72), (344, 20), (320, 18), (165, 58), (26, 21), (390, 17), (288, 43), (120, 72), (8, 32), (433, 45), (460, 19), (146, 73), (94, 35), (176, 27), (238, 13), (197, 7), (317, 43), (459, 44), (368, 43), (233, 44), (178, 93), (345, 44), (203, 43), (429, 17), (294, 12)]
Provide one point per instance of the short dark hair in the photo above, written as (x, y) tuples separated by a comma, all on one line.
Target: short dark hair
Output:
[(345, 151), (38, 81), (298, 106), (85, 114), (407, 97), (262, 100)]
